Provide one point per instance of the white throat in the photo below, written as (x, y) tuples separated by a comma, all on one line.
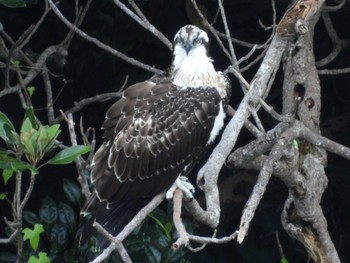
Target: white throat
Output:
[(194, 69)]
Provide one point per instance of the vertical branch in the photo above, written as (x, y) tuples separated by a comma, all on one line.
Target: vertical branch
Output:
[(16, 216), (302, 217), (48, 91), (210, 171), (233, 57), (79, 162)]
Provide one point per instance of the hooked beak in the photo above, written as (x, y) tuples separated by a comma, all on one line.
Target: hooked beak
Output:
[(188, 47)]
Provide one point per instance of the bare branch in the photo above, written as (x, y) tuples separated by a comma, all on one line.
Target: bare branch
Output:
[(79, 162), (118, 244), (213, 240), (248, 125), (34, 28), (183, 239), (84, 102), (260, 187), (10, 239), (339, 44), (131, 226), (233, 57), (209, 172), (102, 45), (334, 8), (48, 91), (142, 21), (256, 148), (33, 72), (333, 71), (211, 28)]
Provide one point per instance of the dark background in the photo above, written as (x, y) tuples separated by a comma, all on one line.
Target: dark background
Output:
[(89, 71)]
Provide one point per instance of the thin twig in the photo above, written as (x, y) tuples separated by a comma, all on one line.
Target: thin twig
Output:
[(130, 227), (84, 102), (247, 124), (279, 245), (211, 28), (333, 8), (118, 244), (228, 36), (79, 162), (260, 187), (33, 72), (213, 240), (102, 45), (333, 71), (144, 22), (10, 53), (35, 28), (9, 239), (338, 44)]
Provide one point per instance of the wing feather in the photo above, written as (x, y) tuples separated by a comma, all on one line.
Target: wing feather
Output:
[(151, 134)]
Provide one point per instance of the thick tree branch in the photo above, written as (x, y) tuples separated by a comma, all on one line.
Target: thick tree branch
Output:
[(209, 172)]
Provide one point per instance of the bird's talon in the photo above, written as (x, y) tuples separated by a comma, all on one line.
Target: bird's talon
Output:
[(183, 184)]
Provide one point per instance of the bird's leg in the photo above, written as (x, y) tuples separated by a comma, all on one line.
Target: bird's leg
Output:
[(183, 184)]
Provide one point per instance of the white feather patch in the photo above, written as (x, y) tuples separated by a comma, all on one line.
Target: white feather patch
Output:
[(218, 124)]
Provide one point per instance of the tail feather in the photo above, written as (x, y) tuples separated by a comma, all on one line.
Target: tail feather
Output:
[(113, 219)]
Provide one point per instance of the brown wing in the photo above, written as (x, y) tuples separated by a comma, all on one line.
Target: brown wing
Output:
[(151, 134)]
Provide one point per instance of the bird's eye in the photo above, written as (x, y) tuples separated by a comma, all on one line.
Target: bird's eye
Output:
[(178, 39), (198, 41)]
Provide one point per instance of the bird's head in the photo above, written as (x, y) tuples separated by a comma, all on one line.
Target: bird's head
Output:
[(190, 43)]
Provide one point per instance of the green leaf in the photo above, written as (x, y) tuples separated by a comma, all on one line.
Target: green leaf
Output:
[(8, 162), (46, 144), (69, 154), (166, 232), (59, 237), (284, 260), (43, 258), (30, 115), (6, 128), (72, 191), (27, 126), (33, 235), (2, 196), (30, 90), (6, 175), (66, 216), (13, 3), (48, 211)]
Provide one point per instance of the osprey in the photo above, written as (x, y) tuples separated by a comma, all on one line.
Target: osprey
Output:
[(155, 133)]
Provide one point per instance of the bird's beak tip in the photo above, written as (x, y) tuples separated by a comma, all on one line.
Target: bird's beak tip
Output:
[(187, 47)]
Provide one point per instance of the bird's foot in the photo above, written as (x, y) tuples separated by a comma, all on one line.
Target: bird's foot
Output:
[(183, 184)]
